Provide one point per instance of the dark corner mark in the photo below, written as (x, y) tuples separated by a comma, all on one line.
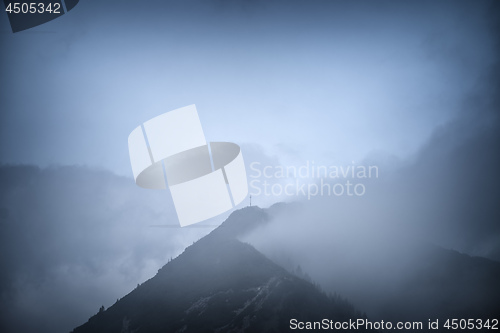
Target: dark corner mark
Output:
[(28, 14)]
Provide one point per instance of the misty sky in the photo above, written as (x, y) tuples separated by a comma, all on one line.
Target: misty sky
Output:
[(330, 81), (412, 87)]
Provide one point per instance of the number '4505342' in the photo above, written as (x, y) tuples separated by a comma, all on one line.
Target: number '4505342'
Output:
[(33, 7), (471, 324)]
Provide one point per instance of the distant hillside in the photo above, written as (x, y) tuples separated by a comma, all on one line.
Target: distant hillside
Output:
[(392, 280), (220, 284), (443, 284)]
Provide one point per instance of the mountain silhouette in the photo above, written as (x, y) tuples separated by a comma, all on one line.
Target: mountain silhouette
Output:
[(220, 284), (442, 284)]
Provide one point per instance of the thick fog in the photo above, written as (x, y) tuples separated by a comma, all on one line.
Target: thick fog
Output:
[(409, 87), (446, 195), (74, 239), (362, 246), (330, 81)]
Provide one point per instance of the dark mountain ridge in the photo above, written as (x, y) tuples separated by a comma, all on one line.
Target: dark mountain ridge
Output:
[(220, 284)]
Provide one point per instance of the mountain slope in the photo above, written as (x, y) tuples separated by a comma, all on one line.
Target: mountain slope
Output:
[(220, 284), (391, 277), (444, 284)]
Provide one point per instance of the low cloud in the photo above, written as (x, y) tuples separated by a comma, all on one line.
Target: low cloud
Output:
[(74, 239)]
